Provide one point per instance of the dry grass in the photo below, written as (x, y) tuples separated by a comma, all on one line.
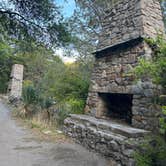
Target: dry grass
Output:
[(41, 128)]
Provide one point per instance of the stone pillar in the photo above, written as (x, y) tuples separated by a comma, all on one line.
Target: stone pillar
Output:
[(15, 85)]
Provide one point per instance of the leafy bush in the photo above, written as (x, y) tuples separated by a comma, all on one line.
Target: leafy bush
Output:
[(163, 122), (76, 106), (153, 152), (62, 111), (30, 95), (144, 69), (7, 59), (45, 103), (156, 68)]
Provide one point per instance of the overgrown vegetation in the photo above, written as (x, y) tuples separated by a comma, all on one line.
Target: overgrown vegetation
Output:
[(64, 86), (41, 21), (7, 59), (153, 152)]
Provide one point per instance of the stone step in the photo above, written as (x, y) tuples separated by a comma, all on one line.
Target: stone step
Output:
[(107, 126), (114, 140), (79, 126)]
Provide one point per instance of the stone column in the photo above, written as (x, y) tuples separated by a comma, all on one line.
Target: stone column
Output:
[(15, 85)]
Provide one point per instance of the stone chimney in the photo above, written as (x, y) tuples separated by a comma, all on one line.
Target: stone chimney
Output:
[(131, 19)]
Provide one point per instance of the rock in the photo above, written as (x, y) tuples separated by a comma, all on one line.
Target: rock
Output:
[(114, 146), (148, 92), (128, 152)]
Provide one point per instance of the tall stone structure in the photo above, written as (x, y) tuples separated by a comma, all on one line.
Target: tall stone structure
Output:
[(15, 85), (119, 110), (120, 47)]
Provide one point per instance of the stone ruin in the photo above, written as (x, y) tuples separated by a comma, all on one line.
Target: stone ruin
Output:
[(119, 110), (15, 85)]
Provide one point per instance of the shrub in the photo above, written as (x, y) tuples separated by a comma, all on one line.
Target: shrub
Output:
[(62, 111), (163, 122), (76, 106), (71, 106), (29, 95), (45, 103), (29, 99), (152, 153), (156, 68)]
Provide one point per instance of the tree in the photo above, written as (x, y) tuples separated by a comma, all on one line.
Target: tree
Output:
[(86, 23), (6, 61), (37, 20)]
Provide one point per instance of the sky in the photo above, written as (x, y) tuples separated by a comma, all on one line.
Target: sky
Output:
[(67, 7), (67, 10), (66, 59)]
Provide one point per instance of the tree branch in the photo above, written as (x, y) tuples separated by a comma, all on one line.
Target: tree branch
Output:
[(2, 11)]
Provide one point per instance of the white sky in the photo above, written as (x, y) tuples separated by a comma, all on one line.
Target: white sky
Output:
[(66, 59)]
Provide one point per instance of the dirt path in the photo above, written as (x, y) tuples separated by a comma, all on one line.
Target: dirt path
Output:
[(18, 148)]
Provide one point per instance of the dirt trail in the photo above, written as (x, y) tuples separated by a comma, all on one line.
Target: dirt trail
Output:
[(18, 148)]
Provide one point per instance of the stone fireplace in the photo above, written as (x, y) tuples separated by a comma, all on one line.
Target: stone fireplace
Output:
[(120, 47), (115, 106), (120, 110), (113, 82)]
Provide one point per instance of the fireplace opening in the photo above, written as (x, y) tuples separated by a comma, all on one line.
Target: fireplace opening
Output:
[(116, 106)]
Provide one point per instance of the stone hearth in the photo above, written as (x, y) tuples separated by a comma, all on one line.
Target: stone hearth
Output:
[(111, 139)]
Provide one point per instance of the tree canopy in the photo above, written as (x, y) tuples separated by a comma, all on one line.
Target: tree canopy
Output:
[(37, 20)]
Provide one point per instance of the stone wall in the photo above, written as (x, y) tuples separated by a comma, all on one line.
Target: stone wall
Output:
[(109, 139), (130, 19), (112, 74), (15, 85)]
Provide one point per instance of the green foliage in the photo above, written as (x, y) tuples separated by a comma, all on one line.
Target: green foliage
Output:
[(45, 103), (65, 81), (67, 85), (63, 85), (62, 111), (7, 59), (144, 69), (71, 106), (41, 21), (76, 106), (155, 68), (152, 153), (30, 95), (163, 121)]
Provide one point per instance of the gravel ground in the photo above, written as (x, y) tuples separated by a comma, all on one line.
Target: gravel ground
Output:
[(19, 148)]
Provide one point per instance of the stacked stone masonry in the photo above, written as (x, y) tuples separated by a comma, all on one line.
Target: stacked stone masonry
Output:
[(115, 141), (130, 19), (15, 85), (112, 74)]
